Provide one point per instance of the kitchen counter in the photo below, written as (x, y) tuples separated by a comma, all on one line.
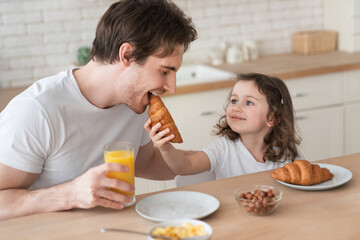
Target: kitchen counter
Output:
[(284, 66), (288, 66)]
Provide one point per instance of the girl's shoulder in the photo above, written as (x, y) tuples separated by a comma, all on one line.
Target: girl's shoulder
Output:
[(221, 142)]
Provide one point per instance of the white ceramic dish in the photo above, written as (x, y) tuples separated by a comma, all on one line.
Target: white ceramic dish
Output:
[(341, 176), (176, 223), (177, 205)]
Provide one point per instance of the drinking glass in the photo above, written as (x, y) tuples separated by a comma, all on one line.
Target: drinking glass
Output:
[(123, 153)]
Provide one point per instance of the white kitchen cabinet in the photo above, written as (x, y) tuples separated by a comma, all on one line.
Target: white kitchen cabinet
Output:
[(322, 132), (316, 91), (328, 113), (319, 114), (351, 86), (352, 128), (145, 185), (352, 111)]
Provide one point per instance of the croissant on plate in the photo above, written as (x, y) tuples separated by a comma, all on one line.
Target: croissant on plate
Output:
[(159, 113), (302, 172)]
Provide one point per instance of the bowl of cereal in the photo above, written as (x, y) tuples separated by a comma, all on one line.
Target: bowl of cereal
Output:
[(259, 200), (179, 229)]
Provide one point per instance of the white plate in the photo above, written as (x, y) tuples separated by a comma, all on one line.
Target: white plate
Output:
[(341, 176), (177, 205)]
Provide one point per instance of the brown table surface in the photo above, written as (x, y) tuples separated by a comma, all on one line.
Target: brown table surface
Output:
[(327, 214)]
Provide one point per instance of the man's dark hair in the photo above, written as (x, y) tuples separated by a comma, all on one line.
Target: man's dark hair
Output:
[(148, 25)]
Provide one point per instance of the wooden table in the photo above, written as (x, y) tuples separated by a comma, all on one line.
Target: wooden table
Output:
[(329, 214)]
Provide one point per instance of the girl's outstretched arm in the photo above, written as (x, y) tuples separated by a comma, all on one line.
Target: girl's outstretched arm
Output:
[(177, 160)]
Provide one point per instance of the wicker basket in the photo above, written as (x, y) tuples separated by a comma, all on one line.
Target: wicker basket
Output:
[(311, 42)]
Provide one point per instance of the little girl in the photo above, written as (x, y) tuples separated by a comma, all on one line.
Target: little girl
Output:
[(257, 133)]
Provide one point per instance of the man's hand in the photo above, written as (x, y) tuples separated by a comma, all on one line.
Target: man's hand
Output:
[(93, 188)]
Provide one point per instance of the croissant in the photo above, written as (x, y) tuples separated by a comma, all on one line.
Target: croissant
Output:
[(159, 113), (302, 172)]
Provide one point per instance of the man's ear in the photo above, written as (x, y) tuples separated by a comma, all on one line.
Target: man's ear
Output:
[(125, 52), (271, 121)]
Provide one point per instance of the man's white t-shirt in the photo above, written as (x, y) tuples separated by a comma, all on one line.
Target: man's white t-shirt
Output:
[(52, 130), (231, 158)]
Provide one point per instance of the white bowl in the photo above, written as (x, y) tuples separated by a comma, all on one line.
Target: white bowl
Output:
[(179, 223)]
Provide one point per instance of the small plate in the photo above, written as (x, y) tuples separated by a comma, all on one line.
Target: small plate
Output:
[(177, 205), (341, 176)]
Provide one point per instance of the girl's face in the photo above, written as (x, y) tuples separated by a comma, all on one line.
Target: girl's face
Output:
[(247, 111)]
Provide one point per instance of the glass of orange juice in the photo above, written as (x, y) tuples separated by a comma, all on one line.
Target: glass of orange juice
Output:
[(123, 153)]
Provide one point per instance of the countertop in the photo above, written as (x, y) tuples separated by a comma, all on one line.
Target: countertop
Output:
[(284, 66), (326, 214), (287, 66)]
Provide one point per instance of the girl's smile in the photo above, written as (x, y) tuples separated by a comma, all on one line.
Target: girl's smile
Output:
[(234, 117), (248, 109)]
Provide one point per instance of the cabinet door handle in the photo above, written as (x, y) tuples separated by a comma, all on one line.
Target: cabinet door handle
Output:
[(300, 118), (297, 95), (207, 113)]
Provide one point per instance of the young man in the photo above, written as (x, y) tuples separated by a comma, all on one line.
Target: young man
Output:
[(52, 134)]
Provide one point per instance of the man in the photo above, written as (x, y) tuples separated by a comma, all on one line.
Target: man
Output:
[(52, 134)]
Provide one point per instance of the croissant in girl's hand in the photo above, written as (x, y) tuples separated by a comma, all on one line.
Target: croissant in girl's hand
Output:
[(159, 113), (302, 172)]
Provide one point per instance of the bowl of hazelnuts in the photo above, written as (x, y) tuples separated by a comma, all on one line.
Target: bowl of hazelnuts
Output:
[(259, 200)]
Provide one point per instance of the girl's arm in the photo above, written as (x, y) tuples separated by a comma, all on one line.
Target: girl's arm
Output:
[(177, 160)]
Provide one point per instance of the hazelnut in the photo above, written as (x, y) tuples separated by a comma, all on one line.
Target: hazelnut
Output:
[(259, 202)]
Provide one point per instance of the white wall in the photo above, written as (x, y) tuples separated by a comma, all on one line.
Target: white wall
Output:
[(344, 17), (40, 37)]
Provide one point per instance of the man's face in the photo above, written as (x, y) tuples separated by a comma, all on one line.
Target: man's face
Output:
[(157, 75)]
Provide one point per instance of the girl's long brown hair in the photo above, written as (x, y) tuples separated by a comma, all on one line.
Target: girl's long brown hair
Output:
[(282, 140)]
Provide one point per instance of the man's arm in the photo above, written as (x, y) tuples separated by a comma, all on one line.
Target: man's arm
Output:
[(86, 191)]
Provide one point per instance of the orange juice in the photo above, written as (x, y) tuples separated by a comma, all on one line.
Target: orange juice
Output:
[(126, 158)]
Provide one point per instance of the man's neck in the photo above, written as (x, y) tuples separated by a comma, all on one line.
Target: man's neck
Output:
[(93, 80)]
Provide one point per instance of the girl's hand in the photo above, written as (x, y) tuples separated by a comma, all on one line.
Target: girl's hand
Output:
[(159, 138)]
